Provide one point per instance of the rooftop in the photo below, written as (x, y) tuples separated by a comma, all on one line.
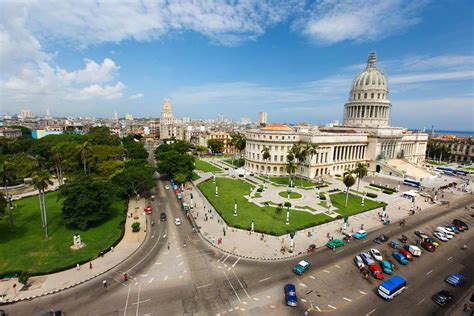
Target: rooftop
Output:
[(277, 127)]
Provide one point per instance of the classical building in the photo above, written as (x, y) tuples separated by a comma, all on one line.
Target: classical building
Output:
[(460, 148), (365, 136), (169, 127)]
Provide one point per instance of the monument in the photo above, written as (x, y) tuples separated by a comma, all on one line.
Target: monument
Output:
[(77, 242)]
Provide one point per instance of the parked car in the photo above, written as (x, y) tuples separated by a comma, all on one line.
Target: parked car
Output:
[(387, 267), (442, 298), (335, 243), (456, 279), (290, 295), (359, 262), (395, 244), (453, 228), (428, 246), (376, 254), (162, 216), (459, 222), (459, 227), (450, 230), (400, 257), (407, 254), (177, 221), (381, 239), (148, 209), (167, 187), (448, 233), (376, 271), (421, 234), (367, 258), (360, 234), (301, 267), (440, 236)]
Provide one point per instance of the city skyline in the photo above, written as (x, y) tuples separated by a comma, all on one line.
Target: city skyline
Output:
[(290, 61)]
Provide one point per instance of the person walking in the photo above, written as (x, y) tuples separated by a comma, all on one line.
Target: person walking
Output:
[(104, 283), (78, 267), (90, 265), (168, 246)]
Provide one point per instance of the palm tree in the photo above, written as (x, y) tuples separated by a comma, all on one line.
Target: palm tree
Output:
[(8, 174), (348, 182), (266, 156), (290, 168), (41, 181), (85, 150), (58, 157), (312, 150), (361, 172)]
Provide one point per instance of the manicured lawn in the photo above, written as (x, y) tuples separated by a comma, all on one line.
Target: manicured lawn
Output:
[(237, 162), (299, 182), (195, 176), (293, 195), (266, 219), (205, 166), (353, 204), (28, 250)]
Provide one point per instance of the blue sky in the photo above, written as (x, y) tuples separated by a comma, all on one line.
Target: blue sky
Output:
[(293, 59)]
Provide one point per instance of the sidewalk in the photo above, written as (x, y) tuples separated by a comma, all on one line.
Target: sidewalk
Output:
[(266, 247), (47, 284)]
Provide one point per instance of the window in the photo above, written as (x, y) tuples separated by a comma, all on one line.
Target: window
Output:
[(358, 96), (275, 158), (258, 156), (270, 136), (372, 96), (365, 95), (281, 158), (274, 169)]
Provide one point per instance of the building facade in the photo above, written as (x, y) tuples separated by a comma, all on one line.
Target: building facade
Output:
[(460, 148)]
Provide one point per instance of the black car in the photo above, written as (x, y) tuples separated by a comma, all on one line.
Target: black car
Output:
[(422, 235), (458, 222), (162, 217), (443, 297), (381, 239)]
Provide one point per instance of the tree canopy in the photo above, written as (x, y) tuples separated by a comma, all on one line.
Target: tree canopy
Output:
[(174, 161), (136, 178), (215, 145)]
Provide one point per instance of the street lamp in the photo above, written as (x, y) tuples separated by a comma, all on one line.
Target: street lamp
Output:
[(289, 192), (363, 198), (252, 226), (287, 222), (235, 207)]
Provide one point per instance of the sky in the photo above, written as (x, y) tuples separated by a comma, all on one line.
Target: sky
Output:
[(295, 60)]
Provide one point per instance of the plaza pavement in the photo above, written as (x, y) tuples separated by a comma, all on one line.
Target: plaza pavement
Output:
[(266, 247), (47, 284)]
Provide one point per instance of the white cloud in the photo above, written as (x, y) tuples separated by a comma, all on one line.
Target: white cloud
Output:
[(328, 22), (432, 76), (93, 72), (97, 91), (136, 96)]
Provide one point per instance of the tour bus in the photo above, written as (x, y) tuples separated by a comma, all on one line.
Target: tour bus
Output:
[(411, 182), (392, 287), (445, 169), (460, 172)]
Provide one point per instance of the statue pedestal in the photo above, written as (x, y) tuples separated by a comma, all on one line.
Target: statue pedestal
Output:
[(78, 244)]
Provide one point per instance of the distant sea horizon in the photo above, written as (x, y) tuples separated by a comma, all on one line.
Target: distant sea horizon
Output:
[(453, 132)]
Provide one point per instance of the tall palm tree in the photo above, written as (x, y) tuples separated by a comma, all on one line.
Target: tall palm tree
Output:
[(266, 156), (290, 168), (312, 150), (348, 182), (41, 181), (8, 174), (361, 171), (58, 158), (85, 150)]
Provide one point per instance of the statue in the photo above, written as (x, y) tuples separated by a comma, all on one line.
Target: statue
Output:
[(77, 242)]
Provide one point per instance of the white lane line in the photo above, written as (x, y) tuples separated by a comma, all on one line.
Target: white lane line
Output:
[(302, 284), (370, 312), (225, 259), (151, 280), (347, 299), (337, 266), (166, 278), (144, 301), (241, 285), (429, 272), (144, 275), (178, 256), (181, 263), (232, 287), (201, 286), (303, 300), (126, 302), (158, 263), (312, 277), (340, 251), (244, 302), (269, 297), (136, 283), (450, 258), (256, 299), (264, 279), (326, 271), (138, 298), (236, 262), (228, 269), (272, 306), (333, 307), (420, 302), (319, 309), (362, 292)]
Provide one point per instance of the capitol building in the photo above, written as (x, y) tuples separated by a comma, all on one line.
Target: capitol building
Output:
[(364, 137)]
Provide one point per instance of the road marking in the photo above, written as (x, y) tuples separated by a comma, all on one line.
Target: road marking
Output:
[(165, 253), (272, 306), (241, 285), (337, 266), (264, 279), (319, 309), (303, 300), (232, 287), (138, 298), (229, 268), (151, 280), (242, 309), (136, 283), (144, 275), (340, 251), (144, 301), (245, 303), (420, 302), (225, 265), (236, 262), (370, 312), (219, 267), (166, 278), (180, 277), (126, 302), (347, 299), (312, 277), (333, 307), (158, 263), (269, 297), (450, 258), (225, 259), (181, 263), (256, 299), (201, 286), (302, 284), (362, 292), (429, 272), (326, 271), (164, 236), (178, 256)]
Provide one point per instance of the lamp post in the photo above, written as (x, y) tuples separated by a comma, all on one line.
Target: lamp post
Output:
[(250, 195), (264, 182), (217, 191), (317, 192), (363, 198), (289, 193), (235, 207), (252, 226), (287, 222), (10, 215)]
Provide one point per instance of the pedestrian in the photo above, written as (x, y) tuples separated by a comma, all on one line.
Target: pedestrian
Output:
[(90, 265), (168, 246), (125, 276), (112, 248), (465, 307), (78, 267), (104, 283)]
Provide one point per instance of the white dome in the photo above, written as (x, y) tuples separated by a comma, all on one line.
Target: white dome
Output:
[(371, 78)]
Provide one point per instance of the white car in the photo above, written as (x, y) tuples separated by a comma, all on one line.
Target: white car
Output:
[(440, 236), (445, 232), (376, 254), (177, 221), (167, 187), (359, 262)]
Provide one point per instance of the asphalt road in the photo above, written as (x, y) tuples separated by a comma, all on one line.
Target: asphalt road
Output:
[(197, 279)]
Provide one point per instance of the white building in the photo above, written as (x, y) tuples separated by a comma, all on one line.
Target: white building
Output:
[(365, 136), (262, 118)]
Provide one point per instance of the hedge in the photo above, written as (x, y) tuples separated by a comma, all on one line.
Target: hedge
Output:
[(371, 195)]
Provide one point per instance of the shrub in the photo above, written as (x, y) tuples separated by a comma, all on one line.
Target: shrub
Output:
[(371, 195), (388, 191), (287, 204), (333, 190), (322, 196), (339, 216), (259, 190), (136, 227), (383, 187), (23, 278)]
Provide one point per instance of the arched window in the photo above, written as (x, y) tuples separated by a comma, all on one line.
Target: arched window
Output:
[(365, 95), (274, 169), (372, 96), (358, 96), (378, 95)]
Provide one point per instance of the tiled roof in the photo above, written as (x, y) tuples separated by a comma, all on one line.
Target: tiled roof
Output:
[(277, 127)]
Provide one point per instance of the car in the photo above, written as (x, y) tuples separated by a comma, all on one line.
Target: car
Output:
[(407, 254), (431, 240), (395, 244), (290, 295), (167, 187), (449, 234), (162, 216), (443, 298), (440, 236), (450, 230), (381, 239), (335, 243), (376, 271), (421, 234), (148, 209), (459, 222), (359, 262), (301, 267), (428, 246), (376, 254), (360, 234), (367, 258), (400, 257), (459, 227), (453, 228), (387, 266), (177, 221), (456, 279)]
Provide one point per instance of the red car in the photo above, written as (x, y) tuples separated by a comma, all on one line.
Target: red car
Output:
[(376, 271), (148, 209), (428, 246), (407, 254), (459, 227)]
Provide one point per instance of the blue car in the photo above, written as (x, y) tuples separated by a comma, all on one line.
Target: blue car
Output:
[(400, 257), (387, 267), (360, 234), (290, 295), (453, 228), (456, 279)]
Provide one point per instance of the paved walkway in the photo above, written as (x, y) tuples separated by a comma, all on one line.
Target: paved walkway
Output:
[(266, 247), (41, 285)]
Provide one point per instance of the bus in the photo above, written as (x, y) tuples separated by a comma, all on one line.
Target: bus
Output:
[(412, 183), (392, 287), (460, 172), (444, 169)]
